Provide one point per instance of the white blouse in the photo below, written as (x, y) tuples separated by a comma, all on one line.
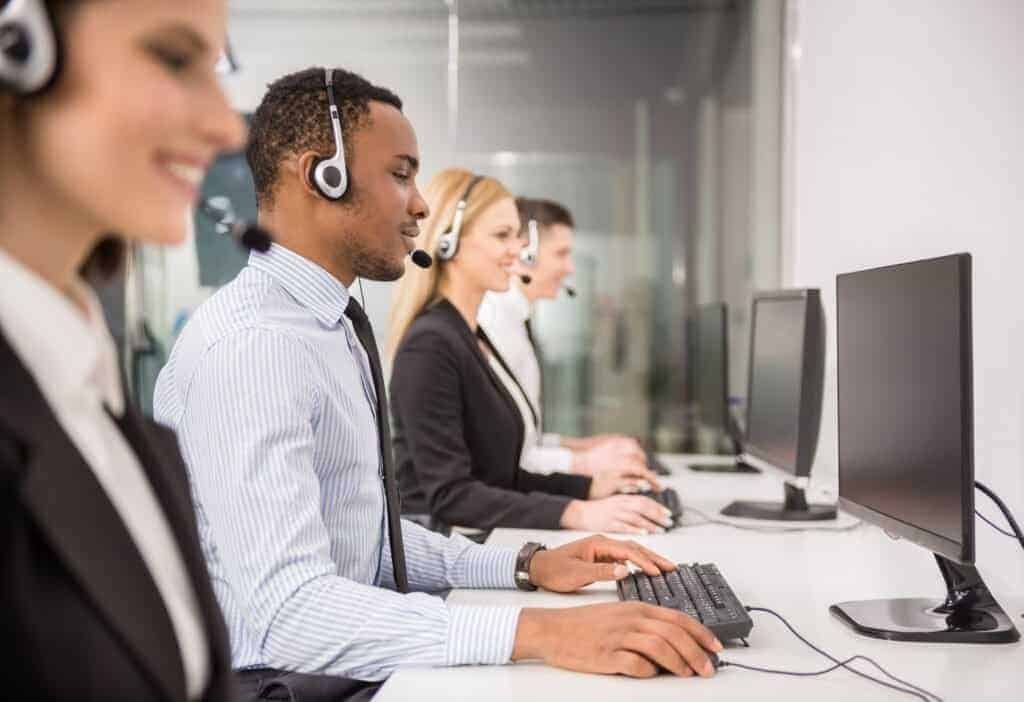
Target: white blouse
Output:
[(69, 352)]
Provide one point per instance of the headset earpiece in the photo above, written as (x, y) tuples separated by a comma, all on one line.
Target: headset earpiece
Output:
[(330, 175), (448, 243), (29, 51), (528, 256)]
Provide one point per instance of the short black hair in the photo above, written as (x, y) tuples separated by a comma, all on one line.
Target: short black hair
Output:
[(293, 117), (545, 212)]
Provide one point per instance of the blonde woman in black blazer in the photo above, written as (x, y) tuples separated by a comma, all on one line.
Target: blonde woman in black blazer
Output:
[(104, 594), (457, 411)]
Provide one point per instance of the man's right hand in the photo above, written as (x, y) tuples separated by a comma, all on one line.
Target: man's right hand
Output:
[(625, 638), (622, 514)]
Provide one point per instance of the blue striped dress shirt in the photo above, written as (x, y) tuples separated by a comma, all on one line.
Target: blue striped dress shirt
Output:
[(272, 398)]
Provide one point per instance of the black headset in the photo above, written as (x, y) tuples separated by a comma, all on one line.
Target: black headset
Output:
[(29, 50), (330, 175), (448, 244)]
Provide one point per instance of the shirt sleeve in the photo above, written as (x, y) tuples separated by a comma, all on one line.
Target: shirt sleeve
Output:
[(551, 440), (436, 562), (246, 430), (547, 459)]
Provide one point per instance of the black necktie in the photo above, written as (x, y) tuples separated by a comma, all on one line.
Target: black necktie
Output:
[(365, 333)]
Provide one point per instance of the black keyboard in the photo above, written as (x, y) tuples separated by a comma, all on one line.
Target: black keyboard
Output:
[(669, 499), (699, 590), (655, 464)]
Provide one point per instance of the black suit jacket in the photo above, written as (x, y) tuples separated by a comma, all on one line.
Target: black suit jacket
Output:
[(82, 617), (458, 434)]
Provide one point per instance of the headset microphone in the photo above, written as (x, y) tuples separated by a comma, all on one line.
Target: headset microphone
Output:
[(570, 290), (220, 210), (421, 258)]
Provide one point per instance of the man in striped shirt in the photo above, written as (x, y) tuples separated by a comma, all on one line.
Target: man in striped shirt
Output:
[(273, 395)]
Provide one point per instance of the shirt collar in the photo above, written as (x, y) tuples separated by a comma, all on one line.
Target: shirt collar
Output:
[(312, 286), (66, 350)]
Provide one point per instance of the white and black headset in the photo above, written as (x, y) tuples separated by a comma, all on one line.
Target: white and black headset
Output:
[(330, 175), (528, 255), (29, 50), (448, 244)]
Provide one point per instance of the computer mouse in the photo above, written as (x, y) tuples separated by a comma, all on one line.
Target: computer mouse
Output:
[(714, 660)]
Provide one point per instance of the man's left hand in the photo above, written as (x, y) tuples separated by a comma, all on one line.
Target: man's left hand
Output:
[(595, 558)]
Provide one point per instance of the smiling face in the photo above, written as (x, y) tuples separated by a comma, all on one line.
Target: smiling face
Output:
[(125, 135), (489, 248), (382, 219), (554, 263)]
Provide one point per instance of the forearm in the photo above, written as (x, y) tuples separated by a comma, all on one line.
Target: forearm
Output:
[(338, 627), (577, 486), (437, 562), (545, 460)]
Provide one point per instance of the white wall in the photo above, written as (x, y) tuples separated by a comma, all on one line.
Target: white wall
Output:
[(908, 144)]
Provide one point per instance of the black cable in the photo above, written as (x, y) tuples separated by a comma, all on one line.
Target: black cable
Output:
[(362, 294), (1005, 510), (908, 688), (995, 526)]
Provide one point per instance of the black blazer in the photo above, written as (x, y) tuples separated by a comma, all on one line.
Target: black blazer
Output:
[(81, 616), (458, 434)]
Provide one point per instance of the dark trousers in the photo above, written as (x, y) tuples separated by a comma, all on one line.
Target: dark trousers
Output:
[(269, 684)]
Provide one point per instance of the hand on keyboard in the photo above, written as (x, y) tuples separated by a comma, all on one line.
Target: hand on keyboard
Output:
[(623, 478), (631, 639), (580, 563), (624, 514)]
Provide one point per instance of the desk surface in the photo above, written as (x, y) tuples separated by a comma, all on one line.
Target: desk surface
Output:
[(798, 574)]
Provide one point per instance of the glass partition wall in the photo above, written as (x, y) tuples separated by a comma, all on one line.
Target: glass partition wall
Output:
[(658, 123)]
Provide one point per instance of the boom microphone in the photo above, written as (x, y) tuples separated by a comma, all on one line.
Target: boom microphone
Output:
[(221, 212), (421, 258)]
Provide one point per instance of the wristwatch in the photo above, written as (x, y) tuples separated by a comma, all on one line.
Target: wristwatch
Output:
[(526, 554)]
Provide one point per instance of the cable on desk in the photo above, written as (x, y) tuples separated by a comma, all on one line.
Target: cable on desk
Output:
[(765, 529), (907, 688), (1005, 510)]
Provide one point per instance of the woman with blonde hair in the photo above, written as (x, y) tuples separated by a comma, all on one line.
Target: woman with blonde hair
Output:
[(457, 409)]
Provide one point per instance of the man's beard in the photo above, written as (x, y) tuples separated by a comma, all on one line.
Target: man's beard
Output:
[(369, 263)]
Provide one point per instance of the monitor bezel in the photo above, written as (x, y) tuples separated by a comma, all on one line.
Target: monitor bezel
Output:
[(803, 294), (962, 552)]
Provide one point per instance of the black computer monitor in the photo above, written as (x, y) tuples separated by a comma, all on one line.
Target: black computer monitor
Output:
[(712, 387), (906, 453), (786, 374)]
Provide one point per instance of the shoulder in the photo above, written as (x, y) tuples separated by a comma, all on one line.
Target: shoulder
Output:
[(437, 328)]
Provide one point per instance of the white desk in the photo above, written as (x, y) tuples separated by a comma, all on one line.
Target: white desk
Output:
[(798, 574)]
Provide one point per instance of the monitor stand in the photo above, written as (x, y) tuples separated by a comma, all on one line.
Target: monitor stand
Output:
[(738, 466), (793, 509), (969, 615)]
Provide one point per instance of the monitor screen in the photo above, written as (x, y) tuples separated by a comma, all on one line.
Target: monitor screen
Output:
[(776, 369), (904, 382), (712, 366)]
